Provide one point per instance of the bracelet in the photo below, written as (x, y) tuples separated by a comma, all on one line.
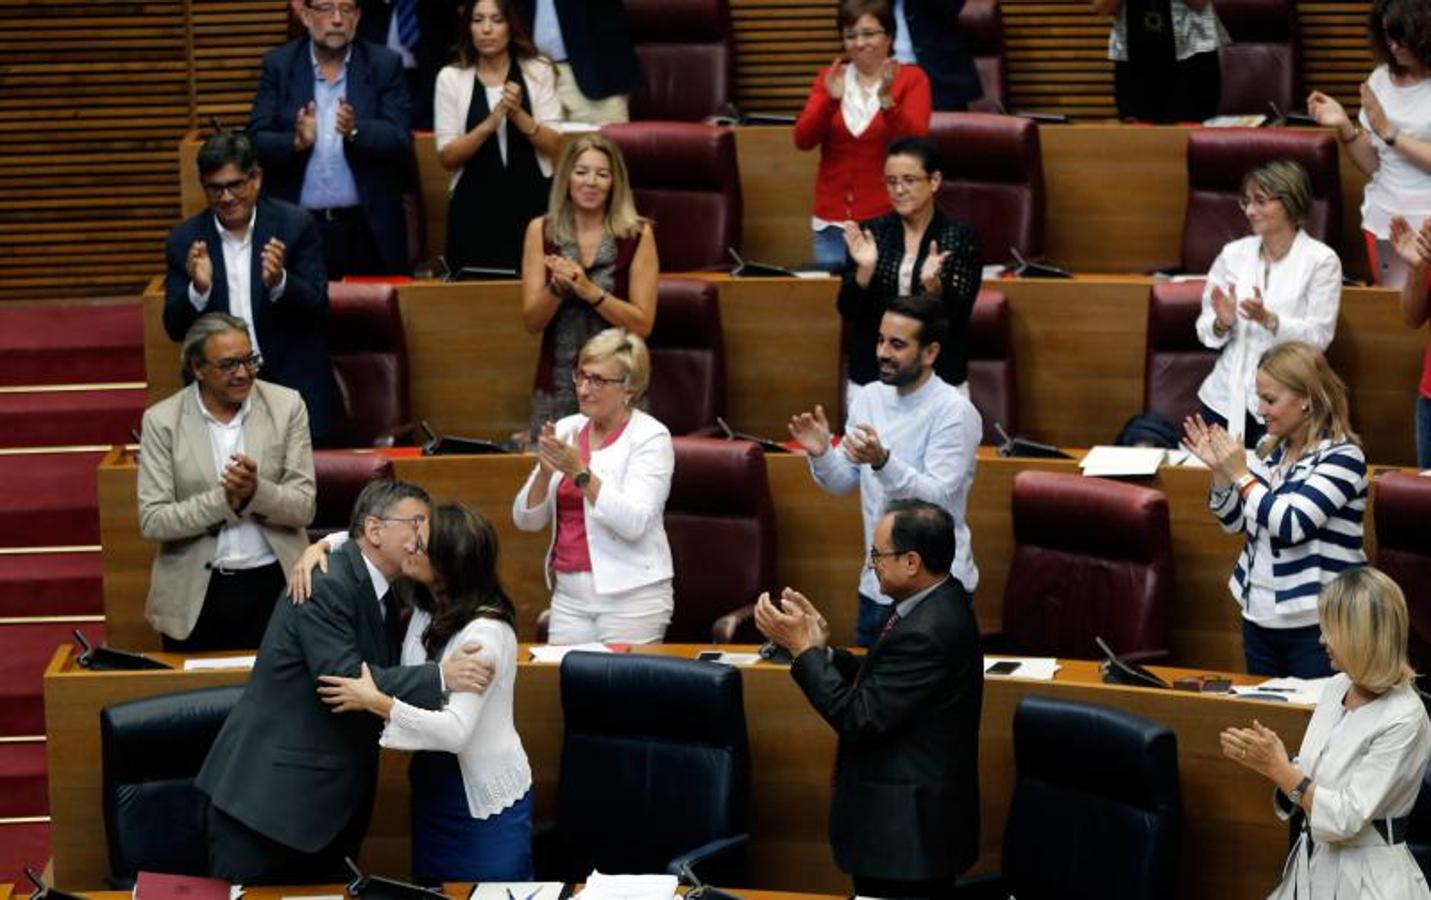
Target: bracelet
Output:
[(1355, 133), (1390, 139), (1245, 483), (599, 300), (1219, 329)]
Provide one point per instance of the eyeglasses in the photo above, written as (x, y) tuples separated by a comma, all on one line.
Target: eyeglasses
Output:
[(579, 378), (346, 10), (253, 362), (875, 555), (215, 190), (868, 34), (1246, 203), (907, 182)]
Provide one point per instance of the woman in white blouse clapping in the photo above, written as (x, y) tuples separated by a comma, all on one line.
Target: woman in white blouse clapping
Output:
[(1279, 284)]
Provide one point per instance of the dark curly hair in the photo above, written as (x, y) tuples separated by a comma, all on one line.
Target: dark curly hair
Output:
[(1408, 23), (463, 551)]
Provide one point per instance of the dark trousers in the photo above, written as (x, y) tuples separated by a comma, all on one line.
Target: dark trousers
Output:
[(240, 855), (349, 247), (890, 888), (236, 610), (1186, 91), (1279, 652)]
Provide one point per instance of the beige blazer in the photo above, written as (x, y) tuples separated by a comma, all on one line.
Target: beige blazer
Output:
[(182, 505)]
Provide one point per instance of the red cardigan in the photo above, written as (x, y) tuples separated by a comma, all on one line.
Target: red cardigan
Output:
[(850, 181)]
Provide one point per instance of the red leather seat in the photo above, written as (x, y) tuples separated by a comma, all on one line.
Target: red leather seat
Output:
[(983, 29), (686, 179), (1092, 558), (1176, 362), (993, 179), (368, 349), (687, 357), (1401, 515), (1218, 158), (687, 53), (993, 384), (1262, 63), (720, 522), (340, 476)]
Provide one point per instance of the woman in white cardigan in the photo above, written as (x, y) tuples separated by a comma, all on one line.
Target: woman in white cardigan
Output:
[(600, 483), (1357, 774), (471, 781), (1279, 284)]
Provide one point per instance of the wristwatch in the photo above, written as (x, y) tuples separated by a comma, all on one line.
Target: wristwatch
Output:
[(1390, 139), (581, 479), (1295, 794)]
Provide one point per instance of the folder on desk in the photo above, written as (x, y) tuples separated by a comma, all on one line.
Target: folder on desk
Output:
[(161, 886)]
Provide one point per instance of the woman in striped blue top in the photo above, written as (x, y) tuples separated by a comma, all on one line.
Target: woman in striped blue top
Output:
[(1300, 500)]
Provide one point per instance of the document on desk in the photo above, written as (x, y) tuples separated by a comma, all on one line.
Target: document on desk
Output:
[(220, 662), (1296, 691), (1108, 461), (553, 653), (516, 890), (627, 887), (1031, 668)]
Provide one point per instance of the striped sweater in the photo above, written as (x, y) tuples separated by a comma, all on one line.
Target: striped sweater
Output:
[(1313, 521)]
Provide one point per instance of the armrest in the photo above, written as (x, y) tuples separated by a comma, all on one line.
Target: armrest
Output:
[(725, 629), (721, 861)]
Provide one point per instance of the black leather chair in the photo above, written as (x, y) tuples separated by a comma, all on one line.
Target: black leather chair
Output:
[(151, 751), (655, 769), (1096, 810)]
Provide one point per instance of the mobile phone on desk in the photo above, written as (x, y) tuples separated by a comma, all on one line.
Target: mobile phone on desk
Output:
[(710, 655), (1004, 667)]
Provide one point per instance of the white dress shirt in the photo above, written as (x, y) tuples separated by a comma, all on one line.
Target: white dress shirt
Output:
[(240, 546), (238, 277), (546, 31), (1304, 289), (932, 436)]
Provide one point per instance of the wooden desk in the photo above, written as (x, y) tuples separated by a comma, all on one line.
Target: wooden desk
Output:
[(456, 890), (1234, 847), (1116, 196), (1078, 349)]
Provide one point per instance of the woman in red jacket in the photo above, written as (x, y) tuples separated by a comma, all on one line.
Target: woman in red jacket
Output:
[(858, 104)]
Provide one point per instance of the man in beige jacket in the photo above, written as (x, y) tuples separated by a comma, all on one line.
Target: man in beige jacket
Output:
[(226, 487)]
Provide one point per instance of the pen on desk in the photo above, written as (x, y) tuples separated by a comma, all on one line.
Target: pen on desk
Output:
[(1279, 690), (510, 895), (533, 894)]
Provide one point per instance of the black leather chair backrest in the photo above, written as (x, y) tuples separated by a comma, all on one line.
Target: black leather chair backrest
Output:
[(152, 749), (655, 760), (1096, 808), (687, 356)]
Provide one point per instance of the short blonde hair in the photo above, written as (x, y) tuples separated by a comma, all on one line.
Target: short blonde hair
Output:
[(1303, 369), (628, 351), (621, 218), (1286, 181), (1364, 619)]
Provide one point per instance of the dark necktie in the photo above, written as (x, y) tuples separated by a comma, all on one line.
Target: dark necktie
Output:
[(392, 619)]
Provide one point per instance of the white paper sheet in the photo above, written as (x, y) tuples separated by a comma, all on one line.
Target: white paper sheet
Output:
[(1107, 460), (553, 653), (628, 887), (220, 662), (518, 890), (1031, 668)]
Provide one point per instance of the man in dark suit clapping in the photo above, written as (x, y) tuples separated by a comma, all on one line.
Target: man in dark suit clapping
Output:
[(904, 819), (291, 782)]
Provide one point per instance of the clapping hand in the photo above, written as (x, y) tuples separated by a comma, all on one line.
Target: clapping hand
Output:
[(569, 278), (791, 622), (861, 244), (1327, 111), (811, 430), (888, 72), (1224, 305), (274, 253), (1259, 748), (1217, 449), (1253, 309), (862, 446), (835, 80), (346, 121), (555, 454), (239, 480), (305, 126), (1412, 246), (933, 265), (200, 267)]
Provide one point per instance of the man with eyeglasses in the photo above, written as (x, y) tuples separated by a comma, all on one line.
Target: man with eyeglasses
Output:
[(908, 435), (258, 259), (904, 815), (226, 488), (331, 122), (291, 782)]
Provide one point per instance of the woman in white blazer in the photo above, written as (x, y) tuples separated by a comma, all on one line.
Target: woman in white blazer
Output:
[(1357, 774), (600, 483), (1278, 284)]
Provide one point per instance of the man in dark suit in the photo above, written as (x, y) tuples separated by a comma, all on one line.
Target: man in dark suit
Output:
[(435, 36), (590, 42), (291, 782), (332, 122), (931, 38), (904, 818), (262, 261)]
